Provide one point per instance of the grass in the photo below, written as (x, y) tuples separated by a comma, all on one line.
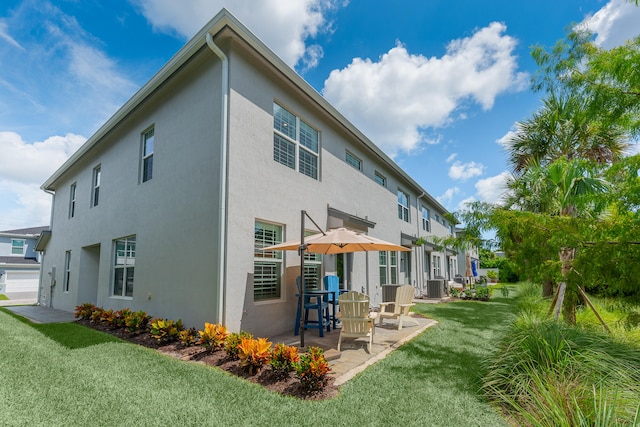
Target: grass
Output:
[(548, 373), (433, 380), (3, 297)]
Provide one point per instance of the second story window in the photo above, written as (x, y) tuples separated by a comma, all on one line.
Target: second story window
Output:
[(17, 246), (380, 179), (95, 190), (403, 206), (72, 200), (148, 140), (353, 161), (425, 219), (295, 143)]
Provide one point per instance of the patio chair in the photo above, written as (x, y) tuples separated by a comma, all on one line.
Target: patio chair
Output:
[(401, 307), (332, 284), (355, 318), (313, 302)]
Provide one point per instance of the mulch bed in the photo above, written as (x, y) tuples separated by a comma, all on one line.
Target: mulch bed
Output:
[(288, 386)]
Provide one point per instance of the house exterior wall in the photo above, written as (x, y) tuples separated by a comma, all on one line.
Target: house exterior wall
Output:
[(172, 216)]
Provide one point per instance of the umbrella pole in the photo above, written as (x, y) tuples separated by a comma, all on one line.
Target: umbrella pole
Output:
[(302, 284)]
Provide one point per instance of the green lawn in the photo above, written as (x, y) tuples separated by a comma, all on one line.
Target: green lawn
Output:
[(50, 379), (3, 297)]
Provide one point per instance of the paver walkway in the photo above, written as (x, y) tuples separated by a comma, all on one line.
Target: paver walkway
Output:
[(40, 314)]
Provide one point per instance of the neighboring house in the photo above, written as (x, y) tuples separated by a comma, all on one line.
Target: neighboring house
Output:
[(19, 260), (165, 208), (462, 257)]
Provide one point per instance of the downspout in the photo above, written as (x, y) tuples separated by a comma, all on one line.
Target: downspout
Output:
[(420, 249), (43, 253), (223, 198)]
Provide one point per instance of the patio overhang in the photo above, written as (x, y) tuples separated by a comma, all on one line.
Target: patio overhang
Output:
[(339, 219)]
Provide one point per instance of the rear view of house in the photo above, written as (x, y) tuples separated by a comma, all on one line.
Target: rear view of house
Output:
[(165, 209)]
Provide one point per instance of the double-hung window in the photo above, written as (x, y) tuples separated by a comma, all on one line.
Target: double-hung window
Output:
[(437, 268), (72, 200), (95, 189), (267, 265), (295, 143), (312, 269), (123, 266), (67, 271), (403, 206), (17, 246), (393, 267), (383, 267), (425, 218), (148, 140)]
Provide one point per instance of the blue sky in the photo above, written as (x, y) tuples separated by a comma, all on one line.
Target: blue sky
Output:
[(436, 84)]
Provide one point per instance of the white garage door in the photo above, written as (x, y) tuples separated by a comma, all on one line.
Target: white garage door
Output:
[(22, 281)]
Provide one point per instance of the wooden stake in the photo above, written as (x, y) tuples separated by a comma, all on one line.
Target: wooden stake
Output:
[(561, 289), (586, 298)]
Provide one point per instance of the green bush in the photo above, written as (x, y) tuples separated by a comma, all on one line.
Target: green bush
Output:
[(136, 321), (165, 330)]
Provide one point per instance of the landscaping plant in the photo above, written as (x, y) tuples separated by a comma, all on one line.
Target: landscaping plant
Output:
[(165, 330), (312, 369), (284, 359), (187, 337), (84, 311), (136, 321), (233, 341), (254, 354), (213, 336)]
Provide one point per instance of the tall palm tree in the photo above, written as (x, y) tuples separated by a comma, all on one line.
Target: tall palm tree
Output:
[(564, 128)]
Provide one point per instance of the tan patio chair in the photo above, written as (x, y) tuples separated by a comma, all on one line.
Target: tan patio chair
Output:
[(355, 318), (401, 307)]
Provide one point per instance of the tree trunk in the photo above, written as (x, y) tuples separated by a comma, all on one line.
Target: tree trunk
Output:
[(571, 296), (547, 287)]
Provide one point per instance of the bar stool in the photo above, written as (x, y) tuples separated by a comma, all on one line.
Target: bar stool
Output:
[(319, 305)]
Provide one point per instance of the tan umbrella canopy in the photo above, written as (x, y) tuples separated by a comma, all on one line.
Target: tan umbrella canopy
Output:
[(338, 241)]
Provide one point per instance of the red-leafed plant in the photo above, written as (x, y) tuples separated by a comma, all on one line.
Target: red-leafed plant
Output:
[(312, 369)]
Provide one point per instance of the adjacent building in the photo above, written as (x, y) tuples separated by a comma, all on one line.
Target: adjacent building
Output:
[(19, 260), (165, 209)]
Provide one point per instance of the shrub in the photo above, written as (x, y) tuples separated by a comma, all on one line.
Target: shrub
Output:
[(165, 330), (284, 359), (136, 321), (213, 336), (550, 373), (233, 341), (482, 292), (117, 320), (455, 292), (187, 337), (84, 311), (107, 316), (96, 315), (312, 369), (253, 354)]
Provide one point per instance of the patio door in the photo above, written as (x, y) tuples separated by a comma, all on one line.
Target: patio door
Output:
[(405, 268)]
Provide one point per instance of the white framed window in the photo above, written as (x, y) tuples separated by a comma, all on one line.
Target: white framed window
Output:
[(393, 267), (267, 265), (312, 268), (72, 200), (17, 246), (353, 161), (382, 262), (380, 179), (95, 189), (403, 206), (425, 218), (67, 271), (437, 268), (123, 266), (294, 139), (148, 142)]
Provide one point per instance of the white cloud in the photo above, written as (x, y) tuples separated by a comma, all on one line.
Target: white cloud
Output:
[(617, 22), (463, 171), (492, 189), (283, 26), (5, 35), (505, 141), (451, 157), (447, 196), (23, 168), (396, 98), (462, 204)]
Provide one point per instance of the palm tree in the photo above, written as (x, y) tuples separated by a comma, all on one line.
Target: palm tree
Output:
[(565, 128)]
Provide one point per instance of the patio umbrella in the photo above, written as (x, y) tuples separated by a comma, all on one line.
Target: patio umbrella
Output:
[(336, 241), (468, 270)]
